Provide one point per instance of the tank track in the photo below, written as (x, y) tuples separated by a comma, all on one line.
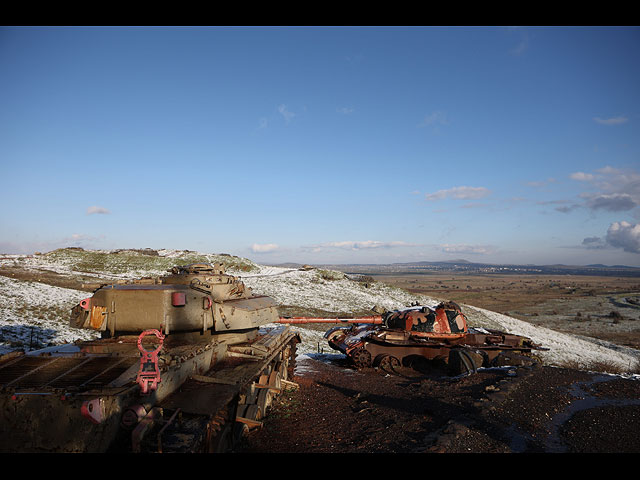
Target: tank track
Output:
[(178, 431)]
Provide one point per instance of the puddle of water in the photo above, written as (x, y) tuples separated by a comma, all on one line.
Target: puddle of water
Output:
[(583, 401)]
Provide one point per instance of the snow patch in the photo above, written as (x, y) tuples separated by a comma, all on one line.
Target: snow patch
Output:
[(34, 315)]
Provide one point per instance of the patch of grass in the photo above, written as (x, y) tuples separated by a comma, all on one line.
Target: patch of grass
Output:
[(601, 366), (330, 275), (120, 262)]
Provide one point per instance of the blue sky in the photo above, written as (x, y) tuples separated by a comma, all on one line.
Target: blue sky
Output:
[(347, 145)]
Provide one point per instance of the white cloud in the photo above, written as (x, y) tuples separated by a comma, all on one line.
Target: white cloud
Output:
[(459, 193), (345, 110), (263, 123), (581, 176), (624, 235), (97, 210), (282, 109), (611, 121), (264, 248)]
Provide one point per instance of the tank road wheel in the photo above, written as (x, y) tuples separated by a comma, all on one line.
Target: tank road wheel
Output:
[(388, 363), (463, 361), (254, 412), (275, 380), (361, 358), (250, 412), (223, 441), (240, 431), (219, 437), (264, 399)]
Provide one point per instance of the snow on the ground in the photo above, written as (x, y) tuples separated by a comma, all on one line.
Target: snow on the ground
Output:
[(563, 347), (29, 309), (35, 314), (307, 289)]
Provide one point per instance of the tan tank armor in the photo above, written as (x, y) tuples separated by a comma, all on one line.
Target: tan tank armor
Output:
[(197, 297)]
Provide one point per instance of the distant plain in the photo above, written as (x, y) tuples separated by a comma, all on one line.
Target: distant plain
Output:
[(601, 306)]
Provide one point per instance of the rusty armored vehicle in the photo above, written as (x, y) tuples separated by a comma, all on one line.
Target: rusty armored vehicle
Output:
[(186, 362), (440, 335)]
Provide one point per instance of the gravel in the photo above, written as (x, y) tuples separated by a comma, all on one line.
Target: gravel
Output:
[(535, 409)]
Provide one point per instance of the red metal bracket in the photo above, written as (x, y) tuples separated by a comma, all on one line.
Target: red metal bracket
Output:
[(93, 410), (85, 304), (148, 373)]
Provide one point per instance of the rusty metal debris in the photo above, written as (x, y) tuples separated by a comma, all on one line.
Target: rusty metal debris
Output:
[(439, 334)]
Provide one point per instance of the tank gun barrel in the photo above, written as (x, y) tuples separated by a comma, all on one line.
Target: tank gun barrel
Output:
[(373, 319)]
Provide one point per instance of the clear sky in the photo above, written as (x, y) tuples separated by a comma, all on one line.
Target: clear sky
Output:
[(317, 145)]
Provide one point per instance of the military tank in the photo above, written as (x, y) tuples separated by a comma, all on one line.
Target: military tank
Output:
[(186, 362), (409, 337)]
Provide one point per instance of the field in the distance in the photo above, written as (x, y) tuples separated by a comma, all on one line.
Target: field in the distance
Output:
[(604, 307)]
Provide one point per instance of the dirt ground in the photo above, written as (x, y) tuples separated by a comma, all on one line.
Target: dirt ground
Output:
[(535, 409)]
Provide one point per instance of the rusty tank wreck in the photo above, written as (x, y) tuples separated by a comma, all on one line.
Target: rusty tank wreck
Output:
[(438, 335), (186, 362)]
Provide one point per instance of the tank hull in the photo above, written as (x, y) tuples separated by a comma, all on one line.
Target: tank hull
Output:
[(84, 397), (414, 335)]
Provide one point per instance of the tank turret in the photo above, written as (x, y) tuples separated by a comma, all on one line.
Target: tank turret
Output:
[(197, 297), (445, 319)]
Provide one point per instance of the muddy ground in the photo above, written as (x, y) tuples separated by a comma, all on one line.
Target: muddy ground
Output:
[(538, 409)]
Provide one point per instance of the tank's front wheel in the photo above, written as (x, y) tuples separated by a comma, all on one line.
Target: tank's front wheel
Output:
[(361, 358)]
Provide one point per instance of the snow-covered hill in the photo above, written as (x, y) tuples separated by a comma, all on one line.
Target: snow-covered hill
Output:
[(31, 309)]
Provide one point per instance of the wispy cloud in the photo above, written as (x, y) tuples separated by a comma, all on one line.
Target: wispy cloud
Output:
[(359, 245), (594, 243), (95, 210), (616, 202), (284, 111), (82, 240), (464, 249), (541, 183), (611, 120), (616, 189), (461, 192), (264, 248), (345, 110), (581, 176), (566, 208), (474, 205), (523, 45), (435, 118), (263, 123)]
